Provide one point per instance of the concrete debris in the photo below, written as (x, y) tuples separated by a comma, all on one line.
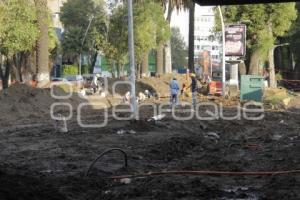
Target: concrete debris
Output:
[(157, 117), (132, 132), (125, 181), (212, 135), (60, 125), (122, 132)]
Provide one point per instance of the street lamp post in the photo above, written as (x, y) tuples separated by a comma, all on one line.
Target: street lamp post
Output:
[(223, 52), (82, 43), (131, 58)]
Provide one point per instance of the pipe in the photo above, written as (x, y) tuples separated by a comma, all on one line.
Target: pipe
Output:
[(106, 152), (209, 173)]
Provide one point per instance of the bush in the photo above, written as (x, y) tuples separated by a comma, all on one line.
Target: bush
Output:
[(69, 70)]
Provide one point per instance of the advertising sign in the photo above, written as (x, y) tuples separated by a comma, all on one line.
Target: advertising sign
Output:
[(235, 40)]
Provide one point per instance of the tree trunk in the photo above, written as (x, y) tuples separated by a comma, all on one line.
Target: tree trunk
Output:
[(94, 60), (167, 49), (191, 36), (118, 70), (242, 69), (5, 75), (138, 71), (17, 68), (113, 69), (254, 63), (145, 65), (43, 76), (272, 76), (1, 71), (160, 60), (168, 57)]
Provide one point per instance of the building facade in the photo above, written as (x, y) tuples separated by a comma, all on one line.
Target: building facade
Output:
[(54, 7), (205, 39)]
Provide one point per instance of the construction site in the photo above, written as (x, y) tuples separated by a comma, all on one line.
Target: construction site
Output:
[(149, 100), (150, 158)]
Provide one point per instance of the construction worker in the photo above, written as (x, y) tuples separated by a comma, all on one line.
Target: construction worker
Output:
[(174, 88), (194, 89)]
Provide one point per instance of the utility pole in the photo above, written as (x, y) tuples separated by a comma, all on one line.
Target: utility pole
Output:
[(223, 52), (131, 58), (82, 43)]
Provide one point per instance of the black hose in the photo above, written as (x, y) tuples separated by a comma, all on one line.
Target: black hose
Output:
[(106, 152)]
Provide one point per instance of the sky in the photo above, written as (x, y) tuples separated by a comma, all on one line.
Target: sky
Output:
[(180, 19)]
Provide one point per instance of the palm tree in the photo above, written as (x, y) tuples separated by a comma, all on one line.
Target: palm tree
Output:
[(42, 54)]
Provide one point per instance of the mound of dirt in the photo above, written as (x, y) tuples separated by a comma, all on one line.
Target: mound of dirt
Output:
[(294, 103), (156, 85), (161, 84), (21, 101), (122, 88)]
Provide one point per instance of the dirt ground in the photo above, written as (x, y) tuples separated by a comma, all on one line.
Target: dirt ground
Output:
[(39, 163)]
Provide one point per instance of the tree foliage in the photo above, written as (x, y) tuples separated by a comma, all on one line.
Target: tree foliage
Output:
[(265, 23), (150, 27), (18, 28), (179, 51), (76, 16)]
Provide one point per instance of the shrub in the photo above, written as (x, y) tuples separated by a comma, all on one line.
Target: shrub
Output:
[(69, 70)]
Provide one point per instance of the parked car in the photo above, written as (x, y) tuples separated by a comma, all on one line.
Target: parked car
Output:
[(76, 80), (58, 79)]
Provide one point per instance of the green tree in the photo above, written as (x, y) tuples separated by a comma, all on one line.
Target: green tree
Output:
[(265, 23), (18, 34), (293, 37), (118, 38), (150, 30), (179, 51), (76, 16)]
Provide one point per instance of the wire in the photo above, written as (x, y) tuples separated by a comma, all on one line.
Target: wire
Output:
[(106, 152), (209, 173)]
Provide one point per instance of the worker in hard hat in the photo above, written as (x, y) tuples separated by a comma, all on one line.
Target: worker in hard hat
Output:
[(174, 88), (194, 89)]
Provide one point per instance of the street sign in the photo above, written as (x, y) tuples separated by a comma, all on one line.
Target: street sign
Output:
[(235, 40)]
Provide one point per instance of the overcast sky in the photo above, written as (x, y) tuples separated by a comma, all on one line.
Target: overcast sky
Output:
[(181, 20)]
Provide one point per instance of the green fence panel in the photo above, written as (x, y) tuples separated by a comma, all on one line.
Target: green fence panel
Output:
[(252, 88)]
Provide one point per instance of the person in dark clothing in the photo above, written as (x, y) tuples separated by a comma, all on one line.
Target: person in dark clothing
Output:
[(194, 90)]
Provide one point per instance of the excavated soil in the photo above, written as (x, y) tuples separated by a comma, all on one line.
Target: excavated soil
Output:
[(37, 162)]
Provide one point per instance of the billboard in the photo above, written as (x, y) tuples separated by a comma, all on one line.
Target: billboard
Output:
[(235, 40)]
